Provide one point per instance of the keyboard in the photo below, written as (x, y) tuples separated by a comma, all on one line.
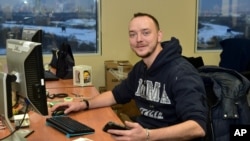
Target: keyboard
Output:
[(49, 76), (69, 126)]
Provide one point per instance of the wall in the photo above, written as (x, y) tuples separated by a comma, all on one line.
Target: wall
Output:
[(176, 18)]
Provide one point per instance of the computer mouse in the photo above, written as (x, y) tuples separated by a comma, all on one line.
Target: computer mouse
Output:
[(59, 111)]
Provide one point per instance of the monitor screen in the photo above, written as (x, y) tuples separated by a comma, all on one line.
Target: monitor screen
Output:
[(25, 61), (32, 34)]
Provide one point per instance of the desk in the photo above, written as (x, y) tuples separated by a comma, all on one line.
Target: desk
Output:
[(95, 118), (62, 83)]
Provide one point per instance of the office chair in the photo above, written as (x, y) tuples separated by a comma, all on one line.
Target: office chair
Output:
[(195, 61)]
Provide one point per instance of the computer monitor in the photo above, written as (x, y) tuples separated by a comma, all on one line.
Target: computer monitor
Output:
[(5, 98), (32, 34), (6, 109), (25, 61)]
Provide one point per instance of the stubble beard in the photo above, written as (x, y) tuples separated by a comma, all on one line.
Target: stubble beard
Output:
[(148, 53)]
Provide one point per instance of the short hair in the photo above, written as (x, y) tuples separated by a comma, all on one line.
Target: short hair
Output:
[(140, 14)]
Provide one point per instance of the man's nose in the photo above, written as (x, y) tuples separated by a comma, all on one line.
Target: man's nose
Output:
[(139, 37)]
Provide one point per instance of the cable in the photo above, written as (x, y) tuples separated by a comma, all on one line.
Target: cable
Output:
[(18, 127), (59, 95)]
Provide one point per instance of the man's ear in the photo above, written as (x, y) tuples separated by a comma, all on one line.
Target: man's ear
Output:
[(160, 36)]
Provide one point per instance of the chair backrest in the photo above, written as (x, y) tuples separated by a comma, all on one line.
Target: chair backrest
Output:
[(235, 54), (195, 61)]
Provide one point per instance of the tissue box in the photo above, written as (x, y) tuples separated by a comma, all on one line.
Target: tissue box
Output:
[(82, 75)]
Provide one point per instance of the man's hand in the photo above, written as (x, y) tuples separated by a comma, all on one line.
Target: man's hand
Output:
[(73, 106), (135, 133)]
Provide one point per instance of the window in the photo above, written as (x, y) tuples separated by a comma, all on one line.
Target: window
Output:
[(75, 22), (219, 20)]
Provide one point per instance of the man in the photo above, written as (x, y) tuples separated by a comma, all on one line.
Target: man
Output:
[(166, 88), (86, 76)]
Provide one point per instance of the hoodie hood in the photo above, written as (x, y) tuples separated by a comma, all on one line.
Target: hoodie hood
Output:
[(171, 50)]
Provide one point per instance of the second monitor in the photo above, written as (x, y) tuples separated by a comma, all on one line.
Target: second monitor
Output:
[(32, 34), (25, 61)]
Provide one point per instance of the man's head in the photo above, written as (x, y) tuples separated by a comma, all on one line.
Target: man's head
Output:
[(144, 35), (86, 76)]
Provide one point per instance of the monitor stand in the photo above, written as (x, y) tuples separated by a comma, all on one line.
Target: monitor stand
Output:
[(15, 137), (5, 99), (19, 135)]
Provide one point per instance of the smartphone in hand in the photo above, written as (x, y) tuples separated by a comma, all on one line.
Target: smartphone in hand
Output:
[(113, 125)]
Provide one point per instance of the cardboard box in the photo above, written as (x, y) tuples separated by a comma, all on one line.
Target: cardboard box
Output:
[(82, 75), (121, 65), (111, 80), (115, 71)]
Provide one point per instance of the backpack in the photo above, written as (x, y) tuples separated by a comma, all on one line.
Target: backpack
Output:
[(227, 92)]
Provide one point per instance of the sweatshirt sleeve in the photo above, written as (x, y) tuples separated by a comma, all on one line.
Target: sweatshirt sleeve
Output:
[(190, 96), (124, 91)]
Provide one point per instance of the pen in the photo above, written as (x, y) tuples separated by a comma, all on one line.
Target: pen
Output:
[(76, 95), (32, 131)]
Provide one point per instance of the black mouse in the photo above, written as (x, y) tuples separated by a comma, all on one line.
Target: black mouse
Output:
[(59, 111)]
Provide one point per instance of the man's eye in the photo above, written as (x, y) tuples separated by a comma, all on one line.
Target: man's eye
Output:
[(132, 35), (145, 33)]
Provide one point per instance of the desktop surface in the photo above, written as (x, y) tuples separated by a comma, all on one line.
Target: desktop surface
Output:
[(62, 83), (93, 118), (43, 132)]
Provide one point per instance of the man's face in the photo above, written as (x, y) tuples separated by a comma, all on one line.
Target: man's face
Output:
[(86, 75), (143, 36)]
